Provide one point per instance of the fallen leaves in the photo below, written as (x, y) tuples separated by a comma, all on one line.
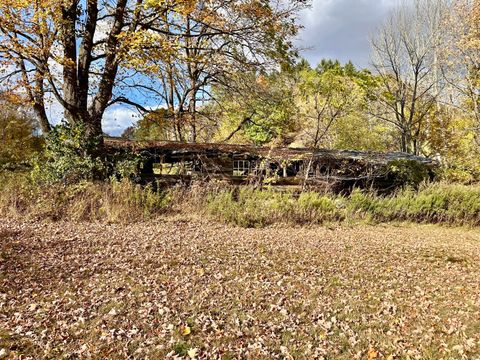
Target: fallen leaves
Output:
[(186, 330), (192, 290), (192, 353), (372, 353)]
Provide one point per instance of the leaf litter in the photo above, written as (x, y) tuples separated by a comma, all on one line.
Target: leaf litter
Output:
[(202, 290)]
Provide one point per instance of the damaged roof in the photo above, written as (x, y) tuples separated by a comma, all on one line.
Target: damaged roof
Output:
[(274, 153)]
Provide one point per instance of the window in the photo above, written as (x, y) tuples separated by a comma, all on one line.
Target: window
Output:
[(241, 167)]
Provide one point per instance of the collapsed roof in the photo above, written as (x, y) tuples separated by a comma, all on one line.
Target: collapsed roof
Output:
[(273, 153)]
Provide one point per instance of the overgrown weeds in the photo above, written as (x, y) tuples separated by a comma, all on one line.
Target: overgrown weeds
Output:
[(431, 203), (115, 201), (124, 201), (254, 208)]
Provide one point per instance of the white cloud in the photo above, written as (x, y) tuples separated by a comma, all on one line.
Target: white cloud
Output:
[(116, 119), (102, 30), (340, 29), (54, 110)]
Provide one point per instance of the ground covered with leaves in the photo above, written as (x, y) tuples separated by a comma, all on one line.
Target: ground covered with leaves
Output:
[(196, 289)]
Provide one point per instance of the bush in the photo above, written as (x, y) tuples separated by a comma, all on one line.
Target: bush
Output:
[(126, 166), (256, 208), (408, 172), (318, 208), (248, 207), (432, 203), (69, 157)]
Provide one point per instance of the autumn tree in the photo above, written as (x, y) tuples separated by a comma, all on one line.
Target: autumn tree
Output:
[(325, 95), (462, 59), (213, 42), (259, 110), (93, 54), (70, 49), (18, 133)]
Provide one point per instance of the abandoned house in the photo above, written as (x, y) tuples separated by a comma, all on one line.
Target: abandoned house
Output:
[(173, 162)]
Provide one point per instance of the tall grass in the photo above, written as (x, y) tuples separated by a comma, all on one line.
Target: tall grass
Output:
[(254, 208), (432, 203), (86, 201), (242, 206)]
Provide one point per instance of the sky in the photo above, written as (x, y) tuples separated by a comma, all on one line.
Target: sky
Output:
[(340, 29), (332, 29)]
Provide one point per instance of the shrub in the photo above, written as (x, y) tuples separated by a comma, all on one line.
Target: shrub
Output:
[(248, 207), (126, 166), (68, 157), (256, 208), (408, 172), (432, 203), (314, 207)]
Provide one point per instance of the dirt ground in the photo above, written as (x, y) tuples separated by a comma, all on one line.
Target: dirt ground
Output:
[(194, 289)]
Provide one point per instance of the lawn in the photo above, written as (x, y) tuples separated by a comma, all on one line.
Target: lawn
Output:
[(198, 289)]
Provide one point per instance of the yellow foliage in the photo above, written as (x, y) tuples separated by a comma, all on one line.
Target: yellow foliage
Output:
[(16, 136), (186, 330)]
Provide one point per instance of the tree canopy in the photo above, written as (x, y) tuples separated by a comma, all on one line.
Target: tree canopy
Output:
[(92, 54)]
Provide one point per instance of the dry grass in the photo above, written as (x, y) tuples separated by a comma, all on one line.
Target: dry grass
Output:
[(98, 291), (126, 202), (114, 201)]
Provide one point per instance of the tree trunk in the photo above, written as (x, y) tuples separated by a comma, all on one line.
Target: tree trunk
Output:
[(41, 115), (94, 128), (107, 82), (69, 43), (403, 142)]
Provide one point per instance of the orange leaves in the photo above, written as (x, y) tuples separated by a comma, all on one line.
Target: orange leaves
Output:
[(12, 98), (255, 9), (262, 81), (372, 353), (150, 268)]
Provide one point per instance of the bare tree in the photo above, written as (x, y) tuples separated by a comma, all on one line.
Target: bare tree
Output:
[(405, 59)]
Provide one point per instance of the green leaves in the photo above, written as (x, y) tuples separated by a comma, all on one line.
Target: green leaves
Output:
[(264, 107), (68, 157), (330, 98)]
